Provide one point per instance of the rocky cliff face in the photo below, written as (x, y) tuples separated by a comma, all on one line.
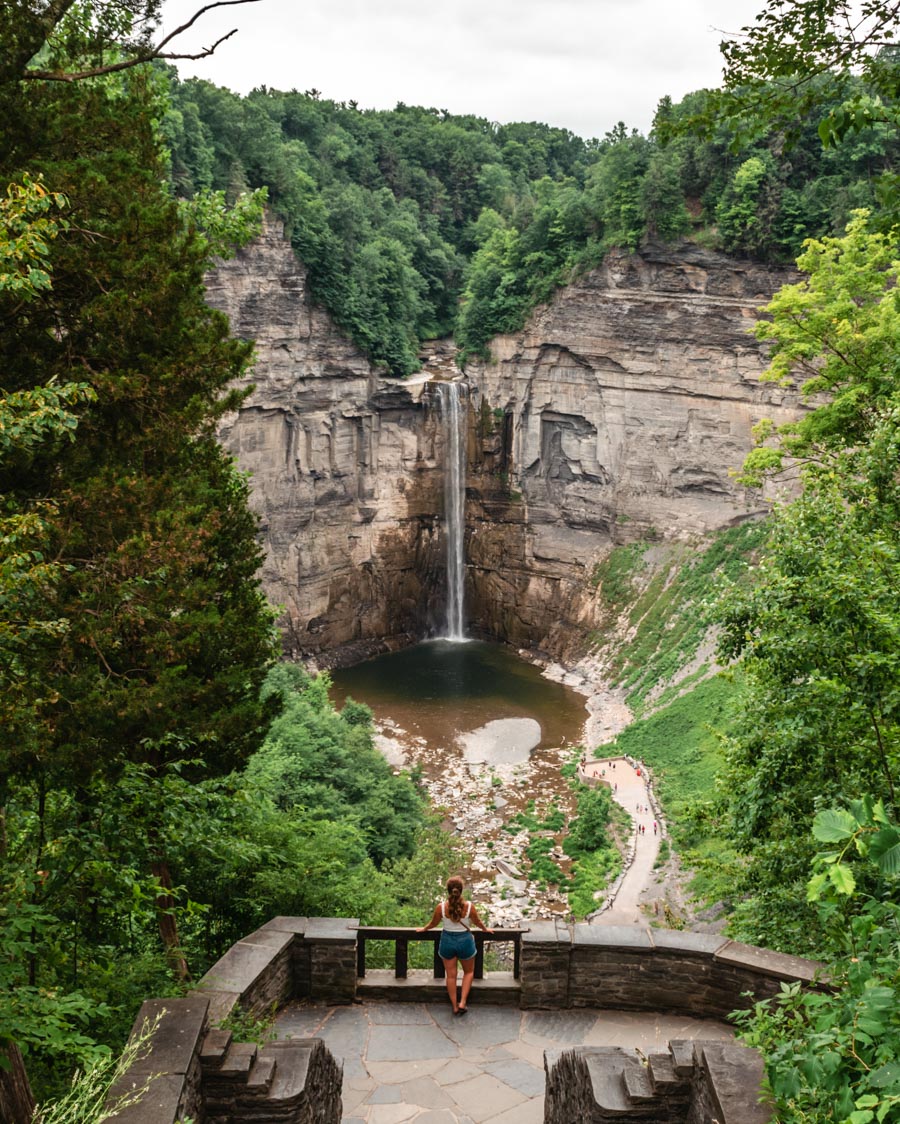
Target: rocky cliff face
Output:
[(345, 467), (617, 414)]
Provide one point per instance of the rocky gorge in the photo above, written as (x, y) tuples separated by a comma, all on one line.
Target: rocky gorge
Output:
[(618, 414)]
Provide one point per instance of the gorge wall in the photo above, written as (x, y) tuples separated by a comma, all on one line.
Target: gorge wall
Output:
[(617, 414), (346, 468)]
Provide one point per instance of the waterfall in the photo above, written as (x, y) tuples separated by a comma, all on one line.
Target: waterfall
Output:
[(453, 411)]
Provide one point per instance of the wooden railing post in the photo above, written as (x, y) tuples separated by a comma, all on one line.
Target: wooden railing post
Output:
[(479, 956), (401, 949), (402, 937)]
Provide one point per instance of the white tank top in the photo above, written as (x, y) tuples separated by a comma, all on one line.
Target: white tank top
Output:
[(451, 926)]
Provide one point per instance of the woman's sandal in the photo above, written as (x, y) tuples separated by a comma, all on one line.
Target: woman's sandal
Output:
[(460, 1010)]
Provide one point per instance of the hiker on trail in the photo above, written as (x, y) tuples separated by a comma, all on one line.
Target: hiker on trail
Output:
[(457, 942)]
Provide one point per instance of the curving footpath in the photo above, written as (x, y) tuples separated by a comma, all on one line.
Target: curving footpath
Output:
[(630, 788)]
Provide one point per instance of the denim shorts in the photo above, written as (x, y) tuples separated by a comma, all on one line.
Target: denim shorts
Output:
[(459, 945)]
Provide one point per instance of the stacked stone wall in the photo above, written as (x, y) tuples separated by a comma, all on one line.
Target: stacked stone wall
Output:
[(192, 1068), (690, 1083), (195, 1070)]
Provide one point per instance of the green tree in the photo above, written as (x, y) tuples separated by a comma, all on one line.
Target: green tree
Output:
[(819, 634), (831, 1054), (829, 61), (663, 209), (148, 638), (326, 764), (746, 211), (613, 187)]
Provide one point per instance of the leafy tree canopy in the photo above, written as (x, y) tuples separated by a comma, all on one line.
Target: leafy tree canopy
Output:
[(415, 223), (819, 634)]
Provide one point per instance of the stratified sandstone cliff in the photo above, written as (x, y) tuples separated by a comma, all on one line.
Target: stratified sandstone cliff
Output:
[(344, 469), (618, 413)]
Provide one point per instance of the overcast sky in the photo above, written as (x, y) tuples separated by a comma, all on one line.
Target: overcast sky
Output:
[(580, 64)]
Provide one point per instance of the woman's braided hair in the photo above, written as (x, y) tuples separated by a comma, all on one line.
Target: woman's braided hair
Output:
[(455, 903)]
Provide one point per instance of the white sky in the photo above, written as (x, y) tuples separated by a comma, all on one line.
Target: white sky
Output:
[(580, 64)]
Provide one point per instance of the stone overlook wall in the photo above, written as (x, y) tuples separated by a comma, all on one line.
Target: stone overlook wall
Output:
[(690, 1083), (617, 414), (195, 1069), (345, 466)]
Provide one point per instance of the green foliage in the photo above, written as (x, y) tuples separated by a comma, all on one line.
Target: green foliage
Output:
[(89, 1099), (225, 228), (34, 1017), (596, 859), (673, 612), (588, 831), (552, 819), (834, 333), (245, 1026), (748, 207), (615, 574), (807, 63), (682, 743), (415, 223), (819, 634), (316, 759), (832, 1054)]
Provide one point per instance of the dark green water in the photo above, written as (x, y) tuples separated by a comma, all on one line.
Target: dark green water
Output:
[(440, 689)]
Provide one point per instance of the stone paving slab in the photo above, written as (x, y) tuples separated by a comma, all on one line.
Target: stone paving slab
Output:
[(418, 1063), (524, 1078), (409, 1043), (426, 1092), (398, 1014), (484, 1096)]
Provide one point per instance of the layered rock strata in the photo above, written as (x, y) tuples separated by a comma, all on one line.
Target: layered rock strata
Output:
[(345, 467), (618, 414)]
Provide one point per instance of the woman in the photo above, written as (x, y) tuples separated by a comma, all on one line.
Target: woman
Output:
[(457, 942)]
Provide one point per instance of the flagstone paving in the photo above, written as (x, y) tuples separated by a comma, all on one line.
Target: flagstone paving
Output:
[(406, 1062)]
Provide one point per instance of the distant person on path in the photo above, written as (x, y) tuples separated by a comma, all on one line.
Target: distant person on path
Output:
[(457, 942)]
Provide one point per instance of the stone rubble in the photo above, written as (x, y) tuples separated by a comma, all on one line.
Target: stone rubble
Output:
[(479, 799)]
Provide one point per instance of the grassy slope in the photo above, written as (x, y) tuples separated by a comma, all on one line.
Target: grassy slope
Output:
[(660, 603)]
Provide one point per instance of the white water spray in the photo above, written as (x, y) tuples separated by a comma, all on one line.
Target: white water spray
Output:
[(453, 411)]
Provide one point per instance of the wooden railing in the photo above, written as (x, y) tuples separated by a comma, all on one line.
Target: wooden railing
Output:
[(402, 937)]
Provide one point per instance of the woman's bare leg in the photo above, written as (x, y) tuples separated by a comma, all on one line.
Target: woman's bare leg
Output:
[(468, 967), (450, 973)]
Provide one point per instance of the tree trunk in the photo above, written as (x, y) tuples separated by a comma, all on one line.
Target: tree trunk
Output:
[(168, 928), (16, 1098)]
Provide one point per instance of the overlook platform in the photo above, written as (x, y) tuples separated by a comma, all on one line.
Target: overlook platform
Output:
[(596, 1023), (415, 1062)]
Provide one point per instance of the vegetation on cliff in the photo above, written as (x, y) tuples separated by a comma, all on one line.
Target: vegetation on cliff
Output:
[(416, 223), (159, 794)]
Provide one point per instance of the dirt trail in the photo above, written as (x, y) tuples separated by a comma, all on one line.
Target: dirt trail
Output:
[(629, 788)]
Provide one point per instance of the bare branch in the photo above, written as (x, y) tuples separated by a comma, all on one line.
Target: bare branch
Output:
[(156, 52), (192, 21), (126, 64)]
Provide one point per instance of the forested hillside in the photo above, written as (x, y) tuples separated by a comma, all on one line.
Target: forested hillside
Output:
[(415, 223), (163, 785)]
